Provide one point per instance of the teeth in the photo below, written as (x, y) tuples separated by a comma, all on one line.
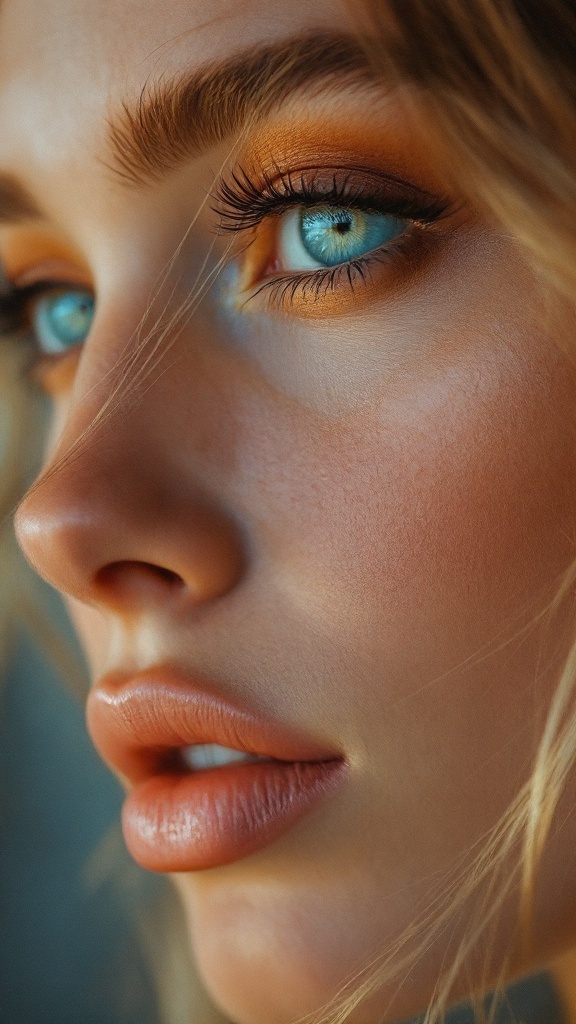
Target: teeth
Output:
[(210, 755)]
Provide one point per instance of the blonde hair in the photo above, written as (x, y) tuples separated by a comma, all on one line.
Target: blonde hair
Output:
[(497, 82)]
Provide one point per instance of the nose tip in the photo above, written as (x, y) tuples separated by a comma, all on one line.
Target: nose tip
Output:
[(124, 544)]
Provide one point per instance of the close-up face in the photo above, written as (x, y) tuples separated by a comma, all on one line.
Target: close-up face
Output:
[(308, 487)]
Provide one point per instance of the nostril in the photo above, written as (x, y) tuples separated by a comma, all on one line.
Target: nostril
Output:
[(136, 578), (164, 574), (104, 542)]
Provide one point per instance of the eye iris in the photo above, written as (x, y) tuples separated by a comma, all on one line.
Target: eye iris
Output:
[(333, 235), (62, 321)]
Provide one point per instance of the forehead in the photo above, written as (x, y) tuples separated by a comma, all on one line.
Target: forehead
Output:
[(133, 37), (59, 82)]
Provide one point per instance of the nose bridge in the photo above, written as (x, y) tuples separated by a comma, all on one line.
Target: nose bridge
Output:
[(119, 513)]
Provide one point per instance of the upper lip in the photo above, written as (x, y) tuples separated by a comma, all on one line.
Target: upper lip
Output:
[(140, 720)]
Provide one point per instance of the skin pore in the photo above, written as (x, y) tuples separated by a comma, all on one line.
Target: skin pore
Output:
[(347, 500)]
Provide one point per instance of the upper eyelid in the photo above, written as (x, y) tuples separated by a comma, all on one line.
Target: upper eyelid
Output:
[(242, 201)]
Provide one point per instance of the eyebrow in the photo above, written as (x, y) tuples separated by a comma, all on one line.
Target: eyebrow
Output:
[(174, 120), (16, 204)]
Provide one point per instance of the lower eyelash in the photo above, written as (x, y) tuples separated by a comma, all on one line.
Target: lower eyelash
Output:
[(285, 289), (318, 282)]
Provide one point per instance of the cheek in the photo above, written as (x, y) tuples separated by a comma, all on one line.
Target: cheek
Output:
[(417, 491), (413, 546), (298, 945), (450, 505)]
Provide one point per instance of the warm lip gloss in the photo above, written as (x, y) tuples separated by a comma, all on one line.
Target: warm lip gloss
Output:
[(177, 818)]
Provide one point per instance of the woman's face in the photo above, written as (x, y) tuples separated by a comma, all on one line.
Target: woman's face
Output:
[(329, 488)]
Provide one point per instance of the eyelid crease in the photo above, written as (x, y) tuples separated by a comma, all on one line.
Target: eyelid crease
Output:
[(50, 273)]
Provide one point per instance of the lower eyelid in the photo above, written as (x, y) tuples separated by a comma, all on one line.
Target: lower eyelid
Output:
[(343, 289), (55, 374)]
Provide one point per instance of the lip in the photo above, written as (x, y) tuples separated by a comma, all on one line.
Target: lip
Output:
[(176, 819)]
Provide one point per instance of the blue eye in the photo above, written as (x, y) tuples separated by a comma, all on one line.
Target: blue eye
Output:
[(63, 320), (332, 235), (325, 236)]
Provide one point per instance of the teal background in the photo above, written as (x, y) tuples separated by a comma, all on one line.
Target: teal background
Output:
[(69, 953)]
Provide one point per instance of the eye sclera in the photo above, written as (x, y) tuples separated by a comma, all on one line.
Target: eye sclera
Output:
[(266, 261)]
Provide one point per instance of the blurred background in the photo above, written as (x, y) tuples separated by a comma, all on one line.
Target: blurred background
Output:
[(70, 898)]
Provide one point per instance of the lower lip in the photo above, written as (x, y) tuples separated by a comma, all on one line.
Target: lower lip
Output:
[(186, 822)]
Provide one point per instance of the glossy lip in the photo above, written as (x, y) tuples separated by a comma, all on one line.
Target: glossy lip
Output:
[(175, 819)]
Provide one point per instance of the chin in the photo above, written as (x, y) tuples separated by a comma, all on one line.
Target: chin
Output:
[(255, 963), (267, 959), (273, 954)]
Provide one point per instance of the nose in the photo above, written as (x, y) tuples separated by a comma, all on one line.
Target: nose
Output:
[(118, 524)]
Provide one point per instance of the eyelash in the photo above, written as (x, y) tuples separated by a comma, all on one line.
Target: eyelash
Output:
[(14, 302), (243, 202)]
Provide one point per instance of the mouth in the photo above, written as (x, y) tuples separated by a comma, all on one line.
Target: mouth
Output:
[(209, 781)]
